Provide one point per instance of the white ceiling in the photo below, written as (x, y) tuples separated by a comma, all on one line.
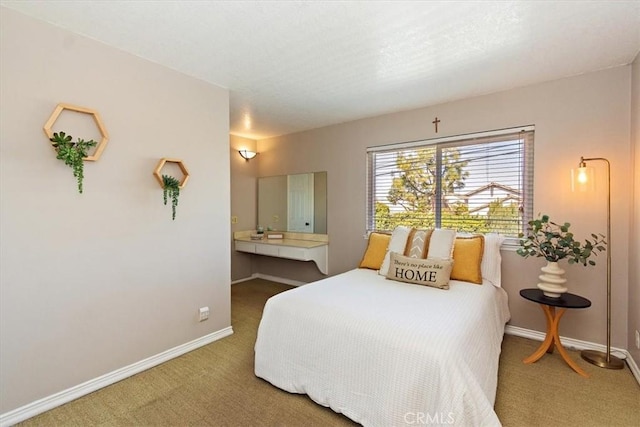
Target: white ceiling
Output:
[(297, 65)]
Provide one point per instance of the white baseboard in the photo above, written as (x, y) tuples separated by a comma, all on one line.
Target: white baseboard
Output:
[(253, 276), (271, 278), (279, 279), (577, 345), (635, 370), (42, 405)]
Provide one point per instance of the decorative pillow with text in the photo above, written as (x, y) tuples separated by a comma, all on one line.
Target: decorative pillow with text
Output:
[(429, 272)]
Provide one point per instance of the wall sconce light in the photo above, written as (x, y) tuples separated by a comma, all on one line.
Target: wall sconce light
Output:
[(247, 155), (583, 180)]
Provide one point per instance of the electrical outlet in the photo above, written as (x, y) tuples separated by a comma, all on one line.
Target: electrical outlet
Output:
[(204, 313), (276, 218), (234, 219), (637, 339)]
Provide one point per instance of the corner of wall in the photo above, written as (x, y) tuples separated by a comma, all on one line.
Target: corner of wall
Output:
[(244, 195), (634, 235)]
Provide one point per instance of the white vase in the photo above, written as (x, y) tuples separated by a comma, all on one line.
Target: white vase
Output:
[(552, 280)]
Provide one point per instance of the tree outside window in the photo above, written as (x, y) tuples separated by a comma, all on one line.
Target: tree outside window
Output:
[(480, 185)]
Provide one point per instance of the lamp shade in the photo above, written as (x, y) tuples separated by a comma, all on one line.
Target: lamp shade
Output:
[(247, 155), (582, 178)]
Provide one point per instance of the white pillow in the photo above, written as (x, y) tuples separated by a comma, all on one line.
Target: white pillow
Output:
[(441, 243), (491, 264), (397, 244)]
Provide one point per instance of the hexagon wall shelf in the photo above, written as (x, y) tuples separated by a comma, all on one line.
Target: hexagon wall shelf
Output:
[(96, 118), (183, 168)]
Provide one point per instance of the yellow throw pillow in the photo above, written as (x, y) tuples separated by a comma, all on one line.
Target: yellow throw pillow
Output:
[(376, 250), (428, 272), (467, 259)]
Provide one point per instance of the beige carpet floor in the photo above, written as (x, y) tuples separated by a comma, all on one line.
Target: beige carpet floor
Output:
[(215, 386)]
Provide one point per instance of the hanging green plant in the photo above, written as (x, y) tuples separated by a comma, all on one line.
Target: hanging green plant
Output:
[(171, 188), (72, 153)]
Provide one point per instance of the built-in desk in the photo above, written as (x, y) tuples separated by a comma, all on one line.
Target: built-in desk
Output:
[(297, 246)]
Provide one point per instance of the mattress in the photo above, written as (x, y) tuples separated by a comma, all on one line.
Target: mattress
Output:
[(386, 353)]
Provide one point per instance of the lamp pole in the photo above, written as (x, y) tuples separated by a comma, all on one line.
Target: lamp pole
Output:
[(598, 358)]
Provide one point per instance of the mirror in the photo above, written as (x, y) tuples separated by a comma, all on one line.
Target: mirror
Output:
[(296, 203)]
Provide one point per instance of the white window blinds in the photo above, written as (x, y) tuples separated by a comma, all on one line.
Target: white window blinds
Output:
[(475, 183)]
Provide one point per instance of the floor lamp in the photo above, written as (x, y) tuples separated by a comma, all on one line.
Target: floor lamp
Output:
[(583, 178)]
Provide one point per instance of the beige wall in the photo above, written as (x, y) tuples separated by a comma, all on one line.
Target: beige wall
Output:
[(243, 201), (95, 282), (634, 236), (586, 115)]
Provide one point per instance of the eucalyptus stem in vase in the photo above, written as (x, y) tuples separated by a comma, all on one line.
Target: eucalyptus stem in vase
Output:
[(554, 242)]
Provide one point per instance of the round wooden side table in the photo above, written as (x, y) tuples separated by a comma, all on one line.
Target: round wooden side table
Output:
[(549, 305)]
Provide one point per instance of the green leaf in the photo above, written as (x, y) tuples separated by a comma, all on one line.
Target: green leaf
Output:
[(72, 153), (171, 189), (554, 242)]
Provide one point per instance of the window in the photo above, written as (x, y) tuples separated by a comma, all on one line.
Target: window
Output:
[(474, 183)]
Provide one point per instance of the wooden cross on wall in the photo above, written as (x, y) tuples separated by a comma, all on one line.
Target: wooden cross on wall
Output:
[(435, 122)]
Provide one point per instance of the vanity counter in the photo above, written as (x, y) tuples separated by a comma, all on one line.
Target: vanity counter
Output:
[(296, 246), (284, 242)]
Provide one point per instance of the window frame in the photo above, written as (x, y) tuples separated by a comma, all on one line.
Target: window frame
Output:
[(525, 133)]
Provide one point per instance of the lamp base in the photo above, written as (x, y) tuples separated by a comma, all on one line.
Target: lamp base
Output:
[(600, 359)]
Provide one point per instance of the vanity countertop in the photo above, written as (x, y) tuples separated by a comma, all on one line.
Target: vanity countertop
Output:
[(296, 246), (284, 242), (303, 240)]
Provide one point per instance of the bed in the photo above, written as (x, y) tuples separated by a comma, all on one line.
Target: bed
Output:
[(387, 353)]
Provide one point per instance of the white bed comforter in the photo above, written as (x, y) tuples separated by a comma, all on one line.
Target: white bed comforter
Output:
[(386, 353)]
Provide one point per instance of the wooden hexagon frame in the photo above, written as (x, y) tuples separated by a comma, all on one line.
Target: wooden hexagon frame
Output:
[(96, 118), (183, 168)]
